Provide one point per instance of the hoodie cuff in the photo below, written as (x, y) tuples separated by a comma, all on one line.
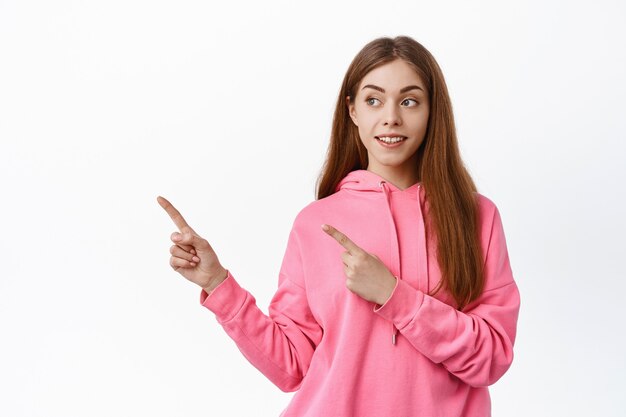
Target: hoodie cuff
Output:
[(402, 305), (225, 300)]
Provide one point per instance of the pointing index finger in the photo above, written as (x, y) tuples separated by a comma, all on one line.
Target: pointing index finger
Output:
[(178, 219), (342, 239)]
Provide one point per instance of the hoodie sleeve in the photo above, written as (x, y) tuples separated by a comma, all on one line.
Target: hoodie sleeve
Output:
[(475, 344), (282, 344)]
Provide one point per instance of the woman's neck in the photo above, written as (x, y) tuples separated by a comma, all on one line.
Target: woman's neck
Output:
[(400, 179)]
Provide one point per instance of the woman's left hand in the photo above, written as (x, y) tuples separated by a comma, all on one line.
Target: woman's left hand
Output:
[(366, 275)]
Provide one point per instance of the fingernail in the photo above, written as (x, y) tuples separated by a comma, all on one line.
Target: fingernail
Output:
[(325, 227), (176, 237), (195, 258)]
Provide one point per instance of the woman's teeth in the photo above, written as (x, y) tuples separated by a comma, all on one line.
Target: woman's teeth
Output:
[(390, 140)]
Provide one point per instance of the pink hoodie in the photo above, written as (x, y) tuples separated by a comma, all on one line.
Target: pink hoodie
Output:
[(416, 355)]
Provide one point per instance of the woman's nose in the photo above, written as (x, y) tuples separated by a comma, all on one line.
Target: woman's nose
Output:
[(392, 115)]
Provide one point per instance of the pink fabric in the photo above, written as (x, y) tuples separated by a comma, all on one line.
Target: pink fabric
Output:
[(335, 348)]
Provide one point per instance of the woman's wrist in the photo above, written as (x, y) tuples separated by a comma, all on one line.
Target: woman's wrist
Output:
[(214, 283), (389, 290)]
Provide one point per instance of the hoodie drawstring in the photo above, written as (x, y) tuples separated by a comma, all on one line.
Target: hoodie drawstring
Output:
[(396, 250)]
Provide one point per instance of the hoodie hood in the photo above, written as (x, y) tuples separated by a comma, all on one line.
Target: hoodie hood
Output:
[(366, 181)]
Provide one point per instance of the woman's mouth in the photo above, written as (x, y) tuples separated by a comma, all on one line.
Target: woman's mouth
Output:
[(390, 142)]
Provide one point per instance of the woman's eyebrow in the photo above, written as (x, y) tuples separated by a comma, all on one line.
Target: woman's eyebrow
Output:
[(382, 90)]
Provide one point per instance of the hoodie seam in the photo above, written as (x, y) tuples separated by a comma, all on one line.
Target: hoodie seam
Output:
[(296, 284), (486, 254), (501, 286), (493, 221), (297, 240)]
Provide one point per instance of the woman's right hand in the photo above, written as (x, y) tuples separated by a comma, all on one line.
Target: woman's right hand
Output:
[(192, 256)]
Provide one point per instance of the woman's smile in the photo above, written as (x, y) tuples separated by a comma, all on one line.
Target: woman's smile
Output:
[(390, 142)]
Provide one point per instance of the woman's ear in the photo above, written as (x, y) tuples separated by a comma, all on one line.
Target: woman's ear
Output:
[(351, 110)]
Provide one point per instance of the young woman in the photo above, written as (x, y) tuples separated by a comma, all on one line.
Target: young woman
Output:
[(405, 305)]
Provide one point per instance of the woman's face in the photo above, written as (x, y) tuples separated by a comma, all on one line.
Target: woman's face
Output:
[(391, 100)]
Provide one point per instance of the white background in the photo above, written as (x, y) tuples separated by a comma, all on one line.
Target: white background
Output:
[(226, 111)]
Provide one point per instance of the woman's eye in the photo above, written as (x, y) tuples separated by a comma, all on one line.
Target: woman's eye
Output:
[(369, 100)]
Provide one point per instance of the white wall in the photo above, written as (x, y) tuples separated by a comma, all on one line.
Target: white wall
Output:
[(226, 111)]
